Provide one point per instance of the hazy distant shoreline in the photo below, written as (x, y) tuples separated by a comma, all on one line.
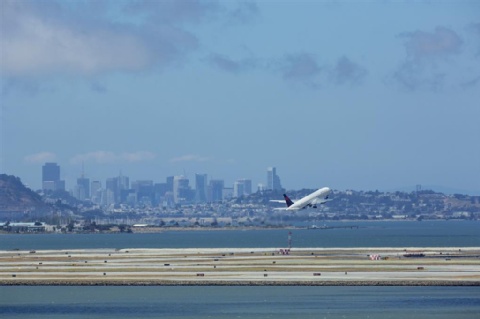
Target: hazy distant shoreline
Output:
[(325, 226)]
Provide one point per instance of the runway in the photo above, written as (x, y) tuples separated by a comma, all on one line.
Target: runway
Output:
[(453, 266)]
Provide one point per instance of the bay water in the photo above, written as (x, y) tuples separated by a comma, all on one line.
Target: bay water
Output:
[(240, 302), (250, 302), (340, 234)]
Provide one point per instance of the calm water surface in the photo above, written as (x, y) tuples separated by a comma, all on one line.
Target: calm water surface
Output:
[(240, 302), (368, 234), (250, 302)]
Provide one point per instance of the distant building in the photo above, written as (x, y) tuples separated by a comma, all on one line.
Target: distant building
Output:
[(117, 188), (242, 187), (144, 191), (227, 192), (49, 186), (159, 191), (108, 197), (82, 189), (123, 182), (238, 189), (113, 192), (170, 183), (51, 177), (96, 192), (50, 172), (215, 190), (168, 200), (181, 189), (200, 188), (247, 186), (273, 181)]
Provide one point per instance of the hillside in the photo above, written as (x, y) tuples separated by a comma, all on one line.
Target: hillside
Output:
[(15, 197)]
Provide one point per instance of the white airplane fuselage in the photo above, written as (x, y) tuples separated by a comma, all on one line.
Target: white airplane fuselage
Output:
[(320, 196)]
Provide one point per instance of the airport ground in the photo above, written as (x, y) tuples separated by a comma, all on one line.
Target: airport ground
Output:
[(243, 266)]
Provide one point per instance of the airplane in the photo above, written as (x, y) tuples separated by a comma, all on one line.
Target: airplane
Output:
[(320, 196)]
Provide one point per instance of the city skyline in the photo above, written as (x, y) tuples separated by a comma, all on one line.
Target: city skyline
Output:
[(350, 95), (175, 189)]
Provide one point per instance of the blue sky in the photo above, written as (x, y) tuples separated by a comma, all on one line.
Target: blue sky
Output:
[(348, 94)]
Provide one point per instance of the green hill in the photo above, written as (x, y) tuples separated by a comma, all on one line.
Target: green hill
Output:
[(15, 197)]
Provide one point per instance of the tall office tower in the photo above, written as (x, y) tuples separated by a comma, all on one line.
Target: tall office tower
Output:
[(238, 189), (180, 189), (159, 191), (273, 181), (82, 190), (123, 186), (216, 190), (50, 172), (95, 186), (144, 191), (200, 188), (51, 177), (242, 187), (123, 182), (117, 186), (96, 192), (113, 193), (170, 184), (142, 185), (108, 198), (247, 186)]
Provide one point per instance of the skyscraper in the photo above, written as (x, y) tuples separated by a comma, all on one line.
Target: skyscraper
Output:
[(82, 190), (144, 191), (96, 192), (242, 187), (238, 189), (273, 181), (116, 187), (170, 183), (200, 188), (113, 193), (180, 189), (247, 186), (216, 190), (51, 177)]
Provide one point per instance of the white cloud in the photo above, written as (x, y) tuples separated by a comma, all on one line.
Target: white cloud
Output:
[(102, 157), (305, 69), (40, 158), (55, 40), (440, 43), (106, 157), (301, 67), (189, 158), (230, 65), (347, 71), (245, 12), (431, 60), (137, 156)]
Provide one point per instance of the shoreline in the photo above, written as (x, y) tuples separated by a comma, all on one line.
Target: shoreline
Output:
[(347, 223)]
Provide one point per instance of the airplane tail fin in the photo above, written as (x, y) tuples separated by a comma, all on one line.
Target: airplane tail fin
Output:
[(287, 200)]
